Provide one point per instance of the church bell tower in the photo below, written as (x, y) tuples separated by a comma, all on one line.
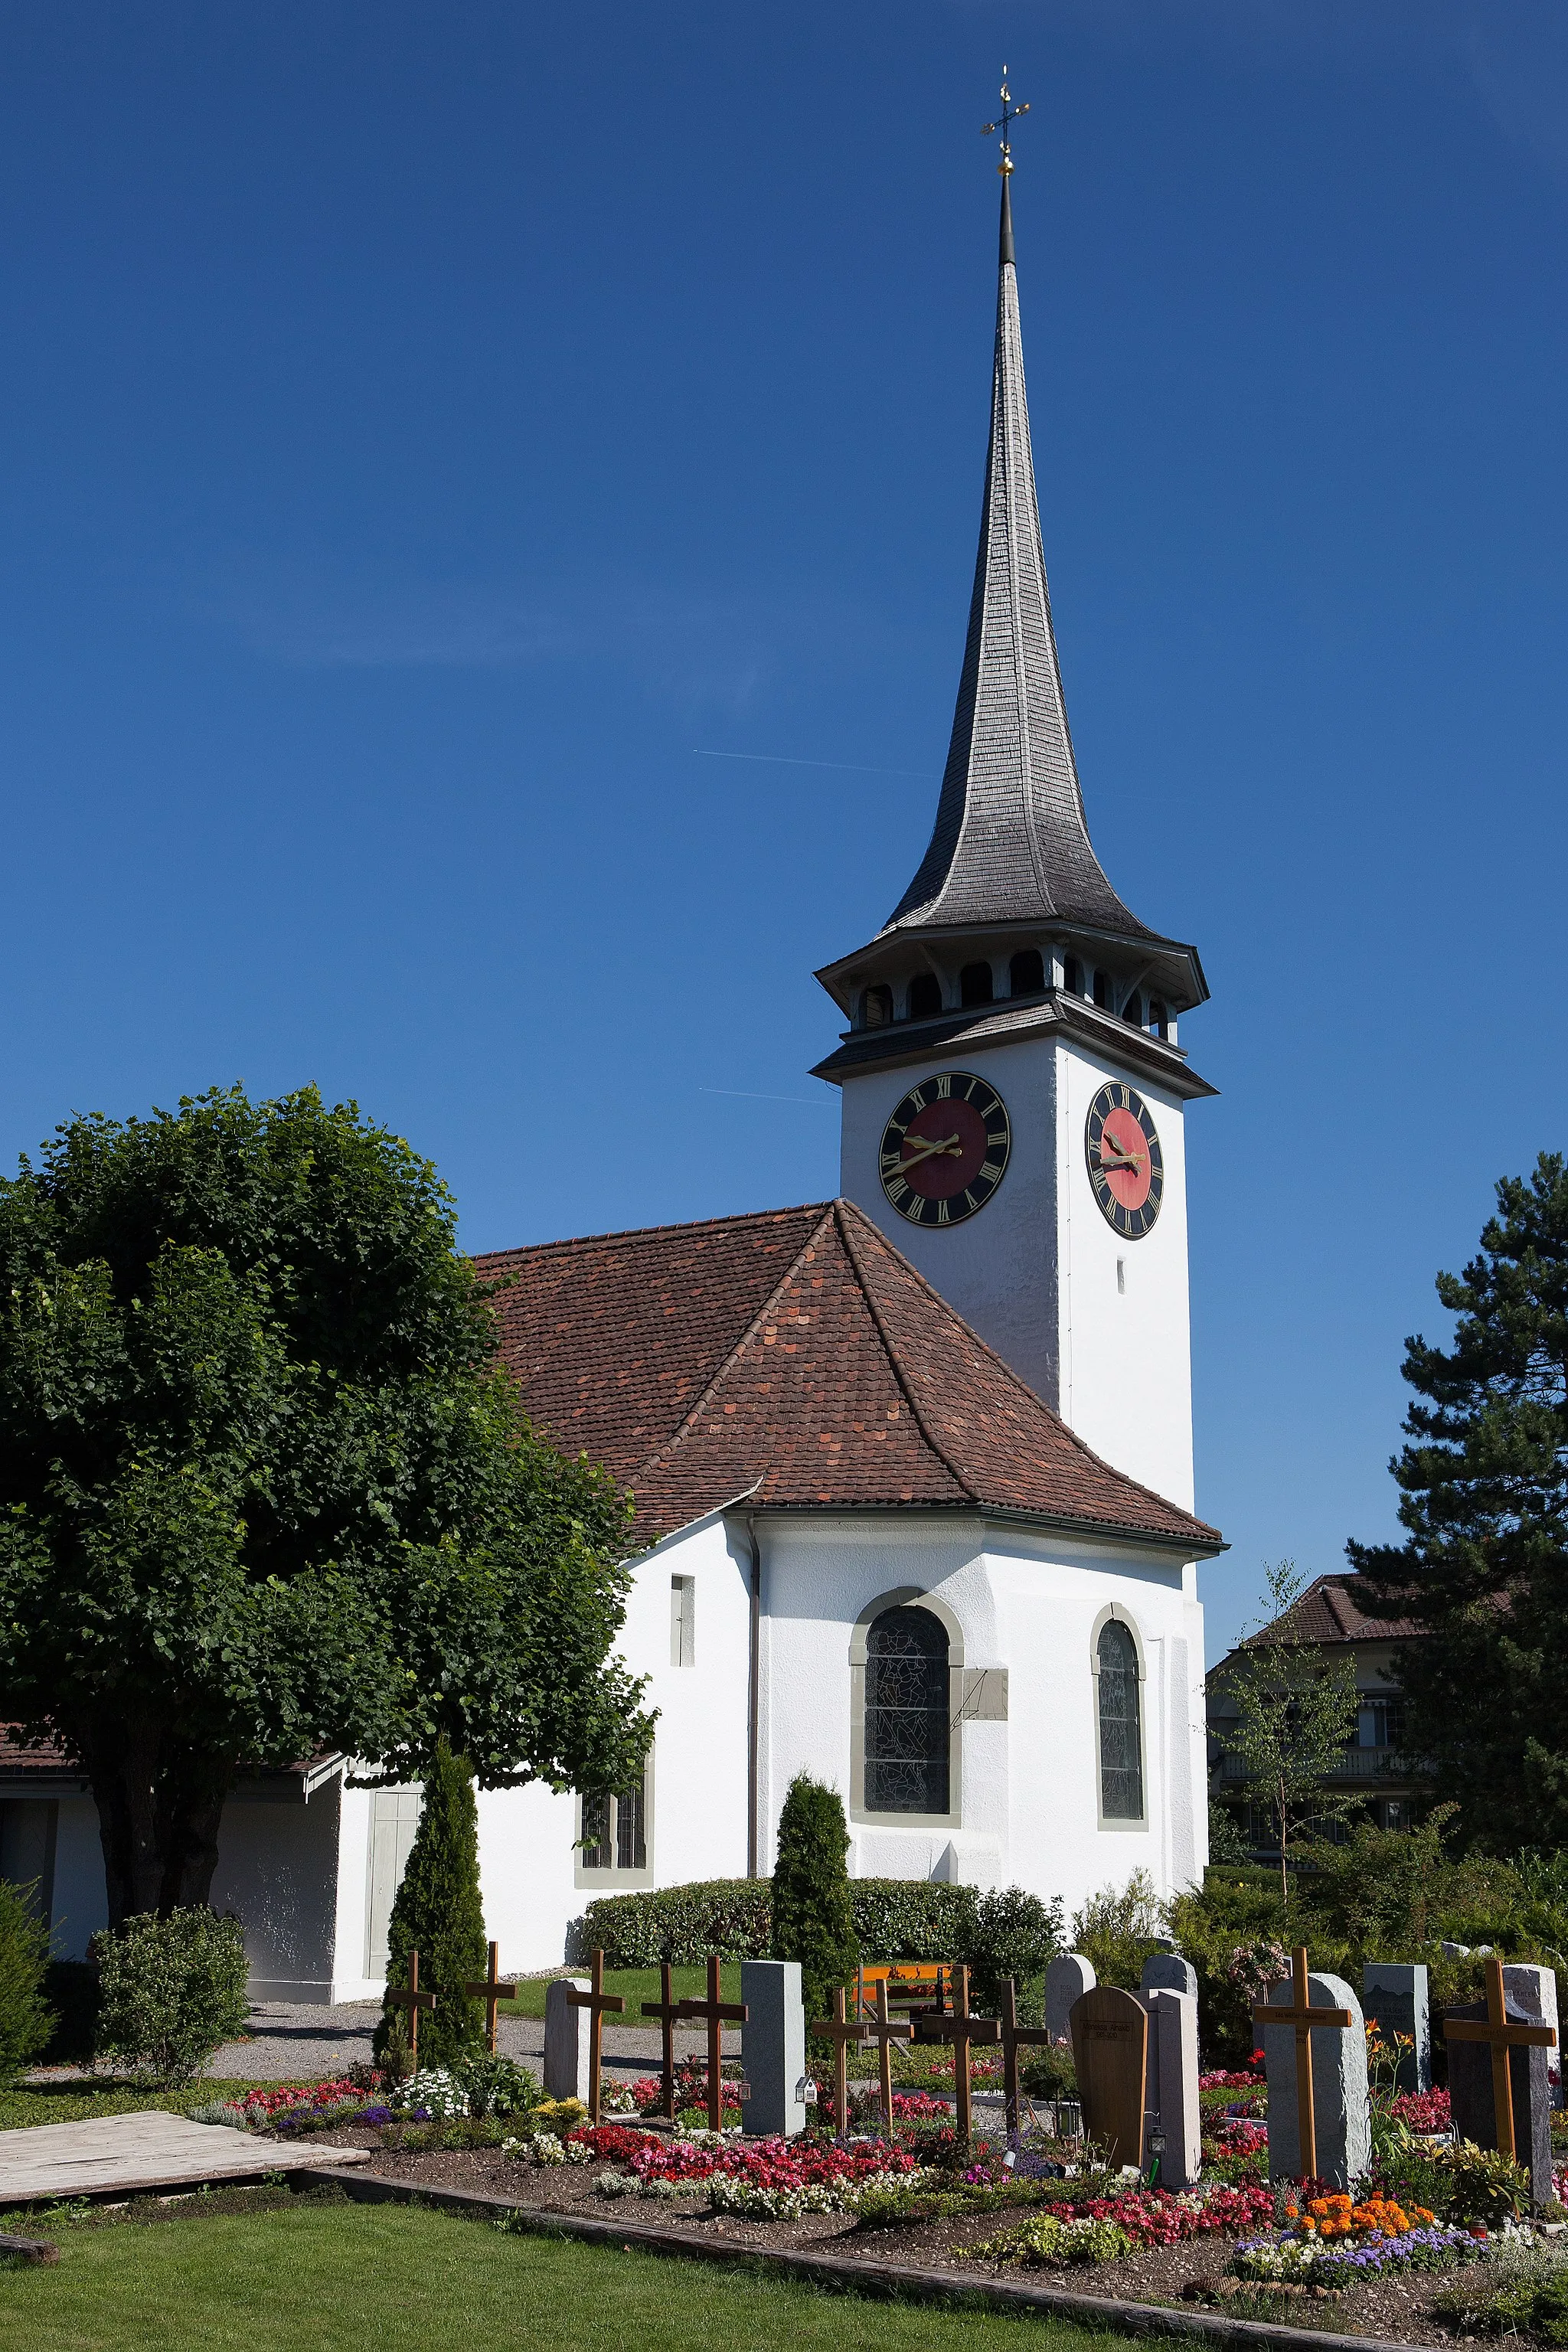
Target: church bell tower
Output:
[(1014, 1093)]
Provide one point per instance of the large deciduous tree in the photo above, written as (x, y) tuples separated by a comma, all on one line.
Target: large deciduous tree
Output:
[(1484, 1497), (264, 1490)]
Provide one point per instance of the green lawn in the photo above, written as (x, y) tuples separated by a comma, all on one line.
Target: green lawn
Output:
[(635, 1985), (319, 2277)]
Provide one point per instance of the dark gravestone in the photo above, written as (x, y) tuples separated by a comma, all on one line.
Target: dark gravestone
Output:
[(1470, 2089)]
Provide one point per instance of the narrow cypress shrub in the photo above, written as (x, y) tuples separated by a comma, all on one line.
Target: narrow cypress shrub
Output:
[(26, 2018), (438, 1914), (813, 1919)]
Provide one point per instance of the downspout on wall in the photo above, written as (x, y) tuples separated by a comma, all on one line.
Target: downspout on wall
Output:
[(754, 1704)]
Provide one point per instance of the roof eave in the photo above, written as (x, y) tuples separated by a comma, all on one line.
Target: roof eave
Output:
[(1188, 1546), (909, 1042)]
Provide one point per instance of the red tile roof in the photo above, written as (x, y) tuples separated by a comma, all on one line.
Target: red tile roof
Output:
[(793, 1356), (1331, 1611)]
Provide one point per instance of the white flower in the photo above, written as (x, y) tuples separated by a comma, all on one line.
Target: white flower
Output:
[(434, 2087), (545, 2149)]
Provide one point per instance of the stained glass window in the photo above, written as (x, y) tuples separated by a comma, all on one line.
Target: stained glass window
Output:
[(906, 1713), (1120, 1743)]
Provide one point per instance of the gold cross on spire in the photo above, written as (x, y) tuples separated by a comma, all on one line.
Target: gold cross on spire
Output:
[(1004, 122)]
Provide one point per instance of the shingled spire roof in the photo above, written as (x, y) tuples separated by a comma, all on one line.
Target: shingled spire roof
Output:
[(1011, 843)]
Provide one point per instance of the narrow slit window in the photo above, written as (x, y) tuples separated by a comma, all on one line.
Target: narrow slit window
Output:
[(683, 1621)]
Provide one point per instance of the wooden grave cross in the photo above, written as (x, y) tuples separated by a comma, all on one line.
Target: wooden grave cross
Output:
[(1307, 2020), (718, 2013), (884, 2031), (961, 2028), (1015, 2037), (1495, 2028), (841, 2031), (413, 2000), (664, 2009), (491, 1991), (596, 2001)]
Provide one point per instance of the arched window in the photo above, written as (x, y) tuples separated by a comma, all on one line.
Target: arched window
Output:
[(1072, 975), (1026, 973), (877, 1007), (1102, 989), (974, 984), (925, 996), (1156, 1016), (1134, 1010), (1121, 1734), (906, 1713)]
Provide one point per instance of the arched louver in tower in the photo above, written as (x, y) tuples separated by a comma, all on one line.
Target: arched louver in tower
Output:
[(1120, 1732), (906, 1713)]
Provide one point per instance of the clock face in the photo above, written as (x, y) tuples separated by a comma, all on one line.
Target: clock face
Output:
[(945, 1151), (1125, 1165)]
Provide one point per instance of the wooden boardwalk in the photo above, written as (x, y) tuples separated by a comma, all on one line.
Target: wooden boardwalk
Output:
[(129, 2156)]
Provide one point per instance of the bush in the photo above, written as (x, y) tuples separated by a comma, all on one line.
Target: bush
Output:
[(26, 2018), (499, 2085), (895, 1919), (813, 1921), (438, 1914), (170, 1991), (1119, 1928), (731, 1916), (1014, 1935)]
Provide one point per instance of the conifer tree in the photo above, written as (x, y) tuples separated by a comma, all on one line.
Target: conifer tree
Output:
[(438, 1914), (1484, 1497), (813, 1920)]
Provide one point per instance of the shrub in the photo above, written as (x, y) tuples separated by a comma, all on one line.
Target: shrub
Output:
[(895, 1919), (813, 1921), (499, 2085), (26, 2018), (1119, 1927), (170, 1991), (1014, 1935), (438, 1914)]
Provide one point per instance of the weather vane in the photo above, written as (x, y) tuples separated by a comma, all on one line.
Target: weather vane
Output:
[(1008, 116)]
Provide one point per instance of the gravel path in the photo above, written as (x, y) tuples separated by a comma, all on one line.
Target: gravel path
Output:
[(290, 2039)]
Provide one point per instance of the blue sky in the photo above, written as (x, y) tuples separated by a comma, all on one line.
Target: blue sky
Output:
[(424, 432)]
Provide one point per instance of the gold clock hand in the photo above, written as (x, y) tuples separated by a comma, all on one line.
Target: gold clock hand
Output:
[(931, 1150)]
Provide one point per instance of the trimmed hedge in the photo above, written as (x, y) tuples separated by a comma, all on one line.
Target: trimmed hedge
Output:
[(895, 1919)]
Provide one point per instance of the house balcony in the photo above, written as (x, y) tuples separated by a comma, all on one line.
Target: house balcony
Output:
[(1355, 1764)]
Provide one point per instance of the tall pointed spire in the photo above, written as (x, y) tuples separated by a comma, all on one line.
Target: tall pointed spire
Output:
[(1011, 843)]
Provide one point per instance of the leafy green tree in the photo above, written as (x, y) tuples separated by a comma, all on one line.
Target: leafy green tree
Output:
[(813, 1920), (1295, 1713), (439, 1915), (263, 1491), (1484, 1498)]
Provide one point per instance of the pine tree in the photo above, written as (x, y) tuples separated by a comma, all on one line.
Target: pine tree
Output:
[(438, 1914), (1484, 1497), (813, 1921)]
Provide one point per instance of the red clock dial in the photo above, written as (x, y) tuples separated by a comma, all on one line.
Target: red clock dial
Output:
[(1126, 1166), (945, 1148)]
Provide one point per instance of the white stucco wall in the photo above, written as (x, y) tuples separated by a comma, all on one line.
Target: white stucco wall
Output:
[(1035, 1270), (80, 1903)]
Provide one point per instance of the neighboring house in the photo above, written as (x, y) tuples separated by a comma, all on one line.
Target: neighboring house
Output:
[(1332, 1616)]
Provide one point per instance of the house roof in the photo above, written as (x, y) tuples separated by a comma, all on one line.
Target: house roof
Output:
[(796, 1358), (1333, 1609)]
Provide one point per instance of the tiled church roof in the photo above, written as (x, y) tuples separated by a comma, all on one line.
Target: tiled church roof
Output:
[(796, 1357)]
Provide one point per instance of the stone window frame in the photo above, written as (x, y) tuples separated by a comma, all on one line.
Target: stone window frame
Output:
[(615, 1881), (905, 1596), (1116, 1611)]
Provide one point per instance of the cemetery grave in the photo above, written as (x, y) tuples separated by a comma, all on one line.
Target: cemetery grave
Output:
[(1178, 2189)]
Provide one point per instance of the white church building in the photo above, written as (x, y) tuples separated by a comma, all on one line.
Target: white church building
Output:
[(912, 1467)]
